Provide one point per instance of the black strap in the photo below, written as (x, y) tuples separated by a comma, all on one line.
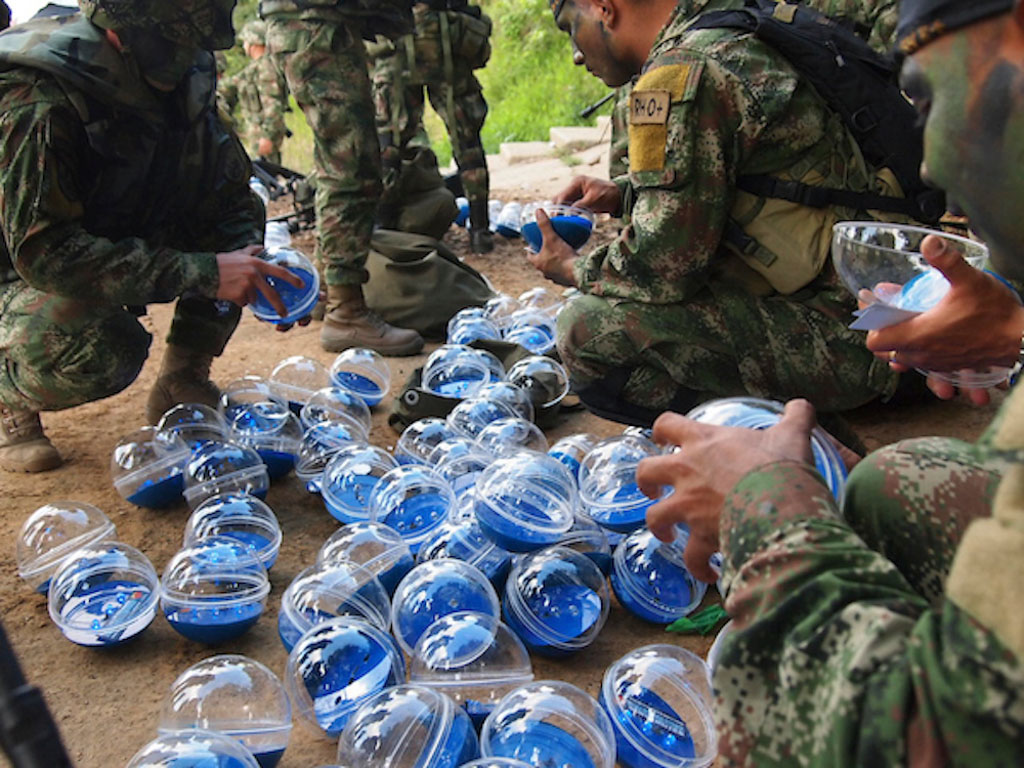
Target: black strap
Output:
[(823, 197)]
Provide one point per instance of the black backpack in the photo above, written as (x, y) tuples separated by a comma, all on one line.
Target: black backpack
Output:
[(858, 84)]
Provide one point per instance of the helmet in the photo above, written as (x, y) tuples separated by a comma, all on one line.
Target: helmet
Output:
[(194, 23), (253, 33)]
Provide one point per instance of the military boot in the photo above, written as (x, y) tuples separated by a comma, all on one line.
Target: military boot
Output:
[(350, 323), (184, 378), (23, 446), (480, 238), (481, 241)]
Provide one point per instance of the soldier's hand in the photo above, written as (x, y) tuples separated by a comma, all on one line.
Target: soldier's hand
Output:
[(243, 277), (302, 322), (705, 467), (264, 147), (597, 195), (556, 257)]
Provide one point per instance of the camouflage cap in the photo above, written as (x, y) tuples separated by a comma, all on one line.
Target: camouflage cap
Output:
[(922, 21), (253, 33), (202, 23)]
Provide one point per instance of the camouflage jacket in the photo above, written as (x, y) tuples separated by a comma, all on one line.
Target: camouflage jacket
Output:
[(724, 105), (837, 661), (390, 18), (874, 20), (109, 189), (261, 94)]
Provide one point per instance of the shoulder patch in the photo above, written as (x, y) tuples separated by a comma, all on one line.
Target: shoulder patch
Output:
[(650, 105)]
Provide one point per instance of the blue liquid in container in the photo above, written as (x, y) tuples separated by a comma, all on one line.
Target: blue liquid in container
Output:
[(507, 533), (417, 515), (155, 494), (534, 738), (106, 604), (645, 711), (533, 338), (446, 594), (352, 499), (366, 388), (456, 387), (568, 460), (269, 759), (213, 625), (460, 747), (575, 230), (294, 298), (601, 560), (279, 463), (661, 580), (206, 761), (624, 519), (256, 543), (565, 610)]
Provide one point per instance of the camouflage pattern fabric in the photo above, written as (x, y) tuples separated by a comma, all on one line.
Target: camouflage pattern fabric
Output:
[(200, 23), (874, 20), (324, 64), (365, 18), (128, 211), (260, 93), (618, 151)]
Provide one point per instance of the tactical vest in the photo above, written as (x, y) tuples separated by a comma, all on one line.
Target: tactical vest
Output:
[(390, 18), (151, 165)]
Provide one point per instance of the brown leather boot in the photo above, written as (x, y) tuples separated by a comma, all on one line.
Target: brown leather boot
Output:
[(184, 378), (350, 323), (23, 446)]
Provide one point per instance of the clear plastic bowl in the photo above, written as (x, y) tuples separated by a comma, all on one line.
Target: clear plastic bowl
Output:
[(590, 539), (551, 720), (146, 467), (494, 365), (328, 590), (650, 579), (214, 590), (556, 600), (754, 413), (414, 500), (336, 666), (511, 435), (465, 329), (532, 329), (454, 371), (299, 302), (296, 379), (362, 372), (474, 659), (500, 308), (221, 466), (435, 589), (373, 546), (235, 696), (461, 465), (508, 219), (420, 438), (609, 493), (473, 414), (191, 749), (249, 403), (241, 517), (544, 379), (659, 701), (571, 223), (525, 502), (408, 726), (515, 397), (542, 299), (465, 541), (716, 647), (103, 594), (194, 423), (318, 445), (275, 440), (53, 532), (337, 404), (349, 479), (571, 449)]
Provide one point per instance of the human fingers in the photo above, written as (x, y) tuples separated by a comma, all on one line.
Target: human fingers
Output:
[(655, 472), (306, 320), (978, 396), (670, 428), (282, 327), (272, 296), (794, 430), (696, 556), (572, 192), (663, 516), (941, 389), (275, 270), (942, 255)]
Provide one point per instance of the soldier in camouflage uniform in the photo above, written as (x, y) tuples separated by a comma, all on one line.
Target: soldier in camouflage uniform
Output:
[(318, 46), (118, 187), (709, 290), (888, 633), (260, 93)]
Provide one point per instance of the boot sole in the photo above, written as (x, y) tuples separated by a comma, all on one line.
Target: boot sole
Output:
[(34, 467)]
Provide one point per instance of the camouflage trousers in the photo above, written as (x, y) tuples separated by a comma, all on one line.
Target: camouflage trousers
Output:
[(57, 352), (629, 361), (324, 64)]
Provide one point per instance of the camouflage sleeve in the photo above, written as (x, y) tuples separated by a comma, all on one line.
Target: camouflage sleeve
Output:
[(835, 658), (41, 213), (273, 100), (874, 20), (227, 93)]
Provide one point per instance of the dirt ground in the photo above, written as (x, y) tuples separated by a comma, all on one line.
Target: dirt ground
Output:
[(107, 702)]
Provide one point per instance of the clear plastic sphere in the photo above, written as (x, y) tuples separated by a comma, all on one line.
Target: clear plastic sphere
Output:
[(462, 540), (318, 445), (463, 329), (590, 539), (525, 502), (454, 371), (556, 600), (214, 590), (414, 500), (500, 308), (571, 449), (716, 647), (496, 762), (194, 423), (241, 517), (420, 438), (571, 223), (511, 395), (660, 704), (349, 479), (337, 404), (328, 590), (510, 435), (235, 696), (249, 403), (609, 493), (146, 467), (494, 365), (549, 722), (336, 666), (372, 545), (296, 379), (103, 594), (364, 373), (460, 464), (544, 379), (408, 726), (53, 532), (192, 749), (275, 438), (221, 466), (473, 658), (508, 219), (651, 580), (434, 589), (531, 329), (298, 302), (473, 414), (542, 299), (755, 413)]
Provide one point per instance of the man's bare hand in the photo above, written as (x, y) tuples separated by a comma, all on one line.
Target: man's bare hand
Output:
[(556, 257), (596, 195), (264, 147), (243, 278)]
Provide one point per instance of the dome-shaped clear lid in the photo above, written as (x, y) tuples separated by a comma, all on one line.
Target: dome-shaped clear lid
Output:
[(239, 516), (496, 762), (146, 455), (296, 378), (194, 423), (233, 695), (531, 329), (216, 569), (463, 540), (251, 398), (454, 371), (510, 435), (473, 414), (588, 537), (298, 301), (552, 718), (319, 444), (542, 299), (420, 438), (660, 701), (469, 328), (414, 500), (372, 545), (500, 308), (222, 466), (609, 492), (515, 397), (651, 579), (460, 462), (350, 477), (363, 372), (54, 531), (544, 380), (571, 449), (192, 748), (337, 404)]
